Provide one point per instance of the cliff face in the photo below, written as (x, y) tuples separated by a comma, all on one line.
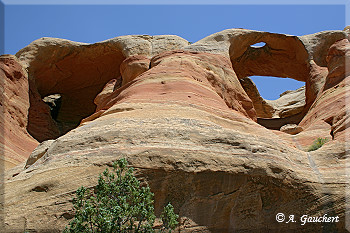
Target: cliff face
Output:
[(16, 143), (183, 118)]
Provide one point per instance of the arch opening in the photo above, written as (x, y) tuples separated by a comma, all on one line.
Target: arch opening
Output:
[(78, 76), (258, 45), (281, 56), (277, 101), (272, 88)]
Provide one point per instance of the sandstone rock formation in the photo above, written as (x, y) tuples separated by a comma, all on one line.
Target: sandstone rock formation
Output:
[(78, 72), (38, 152), (133, 66), (290, 102), (181, 117), (330, 112), (107, 90), (302, 58), (262, 107), (45, 127), (291, 129), (15, 142)]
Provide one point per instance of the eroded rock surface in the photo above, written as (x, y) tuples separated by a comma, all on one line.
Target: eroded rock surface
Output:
[(39, 151), (330, 110), (41, 125), (15, 142), (290, 103), (262, 107), (132, 67), (291, 129), (182, 118), (79, 71)]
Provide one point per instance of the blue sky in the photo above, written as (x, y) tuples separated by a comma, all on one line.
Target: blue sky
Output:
[(93, 21)]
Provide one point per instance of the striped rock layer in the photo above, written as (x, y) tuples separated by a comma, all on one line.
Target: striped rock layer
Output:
[(180, 115)]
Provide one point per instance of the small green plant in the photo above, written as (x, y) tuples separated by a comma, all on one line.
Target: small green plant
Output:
[(119, 204), (318, 143)]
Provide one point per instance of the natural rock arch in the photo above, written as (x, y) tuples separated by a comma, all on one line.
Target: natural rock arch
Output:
[(302, 57), (282, 56), (78, 72)]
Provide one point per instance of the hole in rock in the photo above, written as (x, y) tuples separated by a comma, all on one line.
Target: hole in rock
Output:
[(54, 102), (43, 188), (277, 101), (258, 45), (67, 215), (271, 88), (89, 70)]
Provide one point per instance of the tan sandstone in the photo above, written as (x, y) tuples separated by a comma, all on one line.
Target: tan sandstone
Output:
[(190, 130)]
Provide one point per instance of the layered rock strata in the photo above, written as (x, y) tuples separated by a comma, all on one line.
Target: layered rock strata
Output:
[(180, 116), (78, 72), (15, 142)]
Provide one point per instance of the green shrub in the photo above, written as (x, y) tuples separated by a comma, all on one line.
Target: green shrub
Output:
[(119, 204), (318, 143)]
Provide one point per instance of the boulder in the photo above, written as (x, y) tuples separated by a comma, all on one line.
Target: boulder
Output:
[(38, 152), (291, 129)]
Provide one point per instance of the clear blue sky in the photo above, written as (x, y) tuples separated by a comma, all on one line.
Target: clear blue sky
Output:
[(91, 23)]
